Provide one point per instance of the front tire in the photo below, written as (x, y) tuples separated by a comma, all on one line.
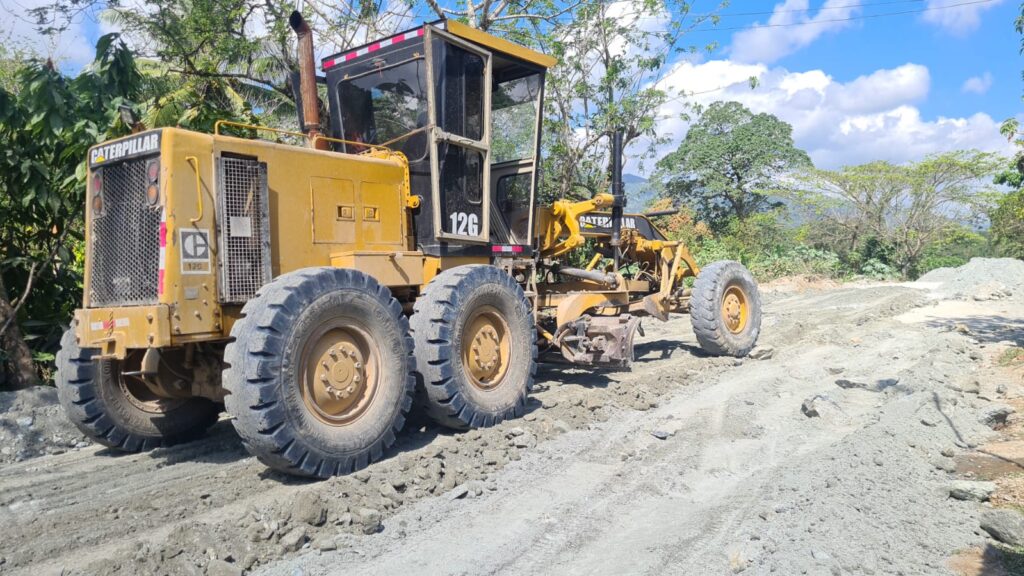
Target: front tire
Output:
[(119, 411), (319, 375), (725, 309), (476, 347)]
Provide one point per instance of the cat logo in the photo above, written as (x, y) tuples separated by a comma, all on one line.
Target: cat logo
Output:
[(195, 250)]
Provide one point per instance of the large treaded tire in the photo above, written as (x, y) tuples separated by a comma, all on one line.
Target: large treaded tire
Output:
[(441, 312), (264, 376), (91, 394), (709, 325)]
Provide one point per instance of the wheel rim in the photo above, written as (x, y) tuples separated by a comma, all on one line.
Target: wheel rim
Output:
[(340, 371), (735, 309), (486, 348), (138, 394)]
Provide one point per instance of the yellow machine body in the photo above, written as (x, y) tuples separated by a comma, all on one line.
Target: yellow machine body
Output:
[(331, 208), (325, 209)]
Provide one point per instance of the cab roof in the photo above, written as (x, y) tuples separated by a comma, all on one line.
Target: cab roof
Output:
[(492, 43)]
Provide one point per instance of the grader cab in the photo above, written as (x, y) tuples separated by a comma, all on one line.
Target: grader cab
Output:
[(313, 290)]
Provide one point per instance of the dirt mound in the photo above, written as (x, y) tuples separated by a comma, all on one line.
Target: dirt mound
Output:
[(980, 279), (799, 284), (32, 423)]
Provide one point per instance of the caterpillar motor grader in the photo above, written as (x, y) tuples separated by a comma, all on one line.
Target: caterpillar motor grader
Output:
[(392, 251)]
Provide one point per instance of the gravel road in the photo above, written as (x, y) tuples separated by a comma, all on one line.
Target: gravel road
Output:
[(829, 455)]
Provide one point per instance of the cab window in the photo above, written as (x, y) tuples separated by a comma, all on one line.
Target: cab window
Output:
[(384, 105), (514, 108)]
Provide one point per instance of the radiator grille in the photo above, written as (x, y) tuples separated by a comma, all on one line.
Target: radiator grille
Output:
[(125, 240), (244, 235)]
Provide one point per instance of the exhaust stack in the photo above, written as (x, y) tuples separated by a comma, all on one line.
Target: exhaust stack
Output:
[(310, 104), (619, 197)]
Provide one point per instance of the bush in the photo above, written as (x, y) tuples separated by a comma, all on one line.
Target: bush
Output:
[(878, 270), (798, 260)]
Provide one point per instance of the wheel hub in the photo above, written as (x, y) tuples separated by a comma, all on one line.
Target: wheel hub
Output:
[(734, 309), (340, 374), (486, 348)]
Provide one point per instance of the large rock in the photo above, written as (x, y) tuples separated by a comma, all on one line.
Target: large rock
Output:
[(816, 405), (971, 490), (309, 508), (294, 539), (995, 416), (223, 568), (1006, 526), (369, 519)]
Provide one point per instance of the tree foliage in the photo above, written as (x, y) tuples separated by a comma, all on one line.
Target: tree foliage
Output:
[(896, 213), (46, 128), (731, 163), (612, 58), (1008, 217)]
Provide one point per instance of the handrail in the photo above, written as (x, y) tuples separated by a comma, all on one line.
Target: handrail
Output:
[(219, 123), (408, 134), (199, 191), (352, 142)]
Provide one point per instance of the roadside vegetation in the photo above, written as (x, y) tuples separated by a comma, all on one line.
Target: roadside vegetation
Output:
[(744, 189)]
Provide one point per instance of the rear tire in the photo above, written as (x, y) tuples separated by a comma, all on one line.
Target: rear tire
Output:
[(476, 347), (725, 309), (319, 375), (118, 411)]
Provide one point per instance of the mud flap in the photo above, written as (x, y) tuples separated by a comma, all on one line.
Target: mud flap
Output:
[(598, 340)]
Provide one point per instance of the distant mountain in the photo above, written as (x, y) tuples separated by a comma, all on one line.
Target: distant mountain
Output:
[(639, 192)]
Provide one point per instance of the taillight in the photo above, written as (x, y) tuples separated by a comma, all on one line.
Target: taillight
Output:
[(97, 193), (153, 189)]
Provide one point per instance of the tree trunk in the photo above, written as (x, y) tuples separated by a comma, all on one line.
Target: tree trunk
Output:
[(19, 369)]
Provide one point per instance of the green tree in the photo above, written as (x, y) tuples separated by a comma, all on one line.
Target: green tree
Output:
[(731, 163), (46, 128), (897, 213), (1008, 217), (612, 57)]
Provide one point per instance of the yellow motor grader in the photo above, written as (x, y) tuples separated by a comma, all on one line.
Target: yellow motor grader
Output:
[(393, 250)]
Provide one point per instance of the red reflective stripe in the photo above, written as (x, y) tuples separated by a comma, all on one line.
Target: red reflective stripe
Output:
[(514, 249), (163, 234), (373, 48), (160, 282)]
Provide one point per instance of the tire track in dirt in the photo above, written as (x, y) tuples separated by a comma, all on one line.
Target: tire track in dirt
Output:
[(745, 481), (171, 510)]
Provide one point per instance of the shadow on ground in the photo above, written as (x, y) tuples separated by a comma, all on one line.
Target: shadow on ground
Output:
[(995, 328)]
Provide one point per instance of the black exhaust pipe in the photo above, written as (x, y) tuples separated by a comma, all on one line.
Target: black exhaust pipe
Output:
[(619, 196)]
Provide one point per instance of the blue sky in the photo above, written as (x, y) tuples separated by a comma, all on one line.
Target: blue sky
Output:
[(952, 57), (894, 88)]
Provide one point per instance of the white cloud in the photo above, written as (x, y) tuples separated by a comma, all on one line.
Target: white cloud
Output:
[(958, 20), (790, 28), (873, 117), (978, 84), (69, 49)]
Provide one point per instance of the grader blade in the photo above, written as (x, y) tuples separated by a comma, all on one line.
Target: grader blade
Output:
[(657, 305), (599, 340)]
